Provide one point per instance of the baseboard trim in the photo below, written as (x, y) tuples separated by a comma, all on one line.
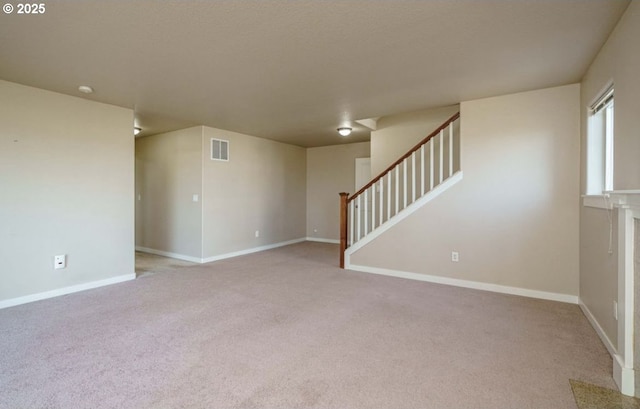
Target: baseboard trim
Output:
[(169, 254), (623, 377), (252, 250), (476, 285), (12, 302), (596, 326), (319, 240)]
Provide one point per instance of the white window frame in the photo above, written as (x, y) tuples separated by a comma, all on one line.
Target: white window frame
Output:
[(221, 142), (600, 145)]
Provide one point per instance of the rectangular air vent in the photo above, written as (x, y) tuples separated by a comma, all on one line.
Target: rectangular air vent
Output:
[(219, 149)]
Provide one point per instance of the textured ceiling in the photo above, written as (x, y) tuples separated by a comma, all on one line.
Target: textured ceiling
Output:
[(294, 71)]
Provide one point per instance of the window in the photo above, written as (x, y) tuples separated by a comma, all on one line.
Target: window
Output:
[(600, 145), (219, 149)]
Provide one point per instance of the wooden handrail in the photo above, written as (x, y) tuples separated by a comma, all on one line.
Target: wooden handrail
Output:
[(405, 156)]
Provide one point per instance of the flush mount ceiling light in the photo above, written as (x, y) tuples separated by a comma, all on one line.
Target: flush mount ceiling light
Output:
[(344, 131), (85, 89), (136, 131)]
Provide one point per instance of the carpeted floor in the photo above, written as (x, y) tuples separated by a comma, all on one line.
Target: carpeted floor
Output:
[(286, 328), (150, 264)]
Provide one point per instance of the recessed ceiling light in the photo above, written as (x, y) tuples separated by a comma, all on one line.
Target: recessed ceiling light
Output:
[(136, 131), (85, 89), (344, 131)]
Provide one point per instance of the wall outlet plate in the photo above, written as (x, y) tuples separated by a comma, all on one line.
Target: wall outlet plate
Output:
[(60, 261), (455, 256)]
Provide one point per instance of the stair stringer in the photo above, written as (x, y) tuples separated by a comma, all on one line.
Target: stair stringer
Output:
[(404, 213)]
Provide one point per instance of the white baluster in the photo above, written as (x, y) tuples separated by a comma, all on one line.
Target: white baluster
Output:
[(381, 196), (397, 171), (450, 149), (431, 165), (413, 177), (422, 182), (359, 210), (389, 195), (366, 212), (441, 153), (351, 222), (404, 183), (373, 207)]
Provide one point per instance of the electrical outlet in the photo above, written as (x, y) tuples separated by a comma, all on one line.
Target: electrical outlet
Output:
[(455, 256), (60, 261), (615, 309), (257, 233), (195, 197)]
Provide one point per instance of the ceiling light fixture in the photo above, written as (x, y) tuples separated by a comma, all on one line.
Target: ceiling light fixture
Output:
[(85, 89), (344, 131), (136, 131)]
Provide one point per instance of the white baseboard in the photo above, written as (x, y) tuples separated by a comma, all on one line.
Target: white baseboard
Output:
[(623, 377), (319, 240), (251, 250), (65, 290), (596, 325), (219, 256), (476, 285), (169, 254)]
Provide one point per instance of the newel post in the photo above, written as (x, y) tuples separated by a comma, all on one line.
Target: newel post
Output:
[(343, 226)]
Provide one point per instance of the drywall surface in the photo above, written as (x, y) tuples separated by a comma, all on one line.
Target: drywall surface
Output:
[(330, 170), (66, 176), (396, 134), (168, 175), (514, 217), (617, 63), (599, 268), (261, 188)]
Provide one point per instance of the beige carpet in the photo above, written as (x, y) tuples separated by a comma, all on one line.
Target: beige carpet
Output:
[(287, 329), (150, 263)]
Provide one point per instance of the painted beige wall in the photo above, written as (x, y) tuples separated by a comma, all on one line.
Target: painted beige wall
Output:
[(262, 187), (330, 170), (168, 174), (598, 268), (619, 62), (514, 216), (396, 134), (66, 176)]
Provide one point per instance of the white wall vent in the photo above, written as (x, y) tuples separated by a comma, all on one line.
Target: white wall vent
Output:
[(219, 149)]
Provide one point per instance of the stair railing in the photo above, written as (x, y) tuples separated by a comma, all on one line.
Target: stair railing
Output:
[(423, 167)]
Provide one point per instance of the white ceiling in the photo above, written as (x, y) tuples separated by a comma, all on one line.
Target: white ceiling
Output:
[(294, 71)]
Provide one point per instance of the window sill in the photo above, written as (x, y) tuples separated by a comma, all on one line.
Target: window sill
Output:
[(613, 198), (597, 201)]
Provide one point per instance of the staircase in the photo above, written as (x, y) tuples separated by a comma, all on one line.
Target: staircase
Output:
[(421, 174)]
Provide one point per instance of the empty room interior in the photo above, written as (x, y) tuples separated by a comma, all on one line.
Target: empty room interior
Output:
[(337, 204)]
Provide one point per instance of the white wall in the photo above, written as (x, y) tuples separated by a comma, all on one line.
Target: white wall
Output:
[(262, 187), (396, 134), (514, 216), (66, 182), (619, 62), (330, 170), (168, 174)]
